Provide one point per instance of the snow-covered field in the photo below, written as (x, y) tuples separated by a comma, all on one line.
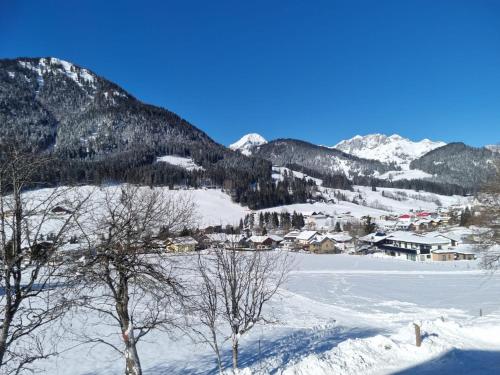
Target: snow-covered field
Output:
[(341, 314), (337, 314)]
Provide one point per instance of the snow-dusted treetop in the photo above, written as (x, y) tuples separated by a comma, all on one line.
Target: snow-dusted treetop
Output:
[(247, 143), (388, 149)]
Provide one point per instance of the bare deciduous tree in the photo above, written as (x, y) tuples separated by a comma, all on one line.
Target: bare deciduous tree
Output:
[(488, 220), (128, 278), (31, 235), (235, 288)]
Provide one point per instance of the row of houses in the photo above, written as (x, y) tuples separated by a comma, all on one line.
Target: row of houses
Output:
[(308, 240), (415, 222), (433, 246)]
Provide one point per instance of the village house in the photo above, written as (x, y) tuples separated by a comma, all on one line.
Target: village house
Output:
[(343, 241), (413, 246), (277, 240), (260, 242), (373, 238), (289, 240), (454, 239), (443, 255), (181, 244), (224, 240), (321, 244), (465, 252), (305, 236)]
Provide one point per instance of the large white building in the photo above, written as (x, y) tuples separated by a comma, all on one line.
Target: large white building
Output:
[(412, 246)]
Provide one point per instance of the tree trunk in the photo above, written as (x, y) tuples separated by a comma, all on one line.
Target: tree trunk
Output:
[(217, 351), (132, 362), (133, 365), (235, 353)]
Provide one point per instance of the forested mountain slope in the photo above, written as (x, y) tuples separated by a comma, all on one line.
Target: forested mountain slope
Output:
[(285, 152), (459, 164), (97, 132)]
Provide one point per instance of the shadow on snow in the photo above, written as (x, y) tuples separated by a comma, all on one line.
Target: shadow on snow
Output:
[(458, 362), (268, 356)]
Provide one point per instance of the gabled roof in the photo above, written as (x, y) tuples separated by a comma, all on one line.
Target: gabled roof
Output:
[(292, 234), (340, 237), (223, 237), (373, 237), (450, 236), (317, 240), (423, 214), (466, 249), (275, 238), (417, 238), (258, 239), (306, 235)]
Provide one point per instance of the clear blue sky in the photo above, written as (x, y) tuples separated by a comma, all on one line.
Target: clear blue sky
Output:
[(320, 71)]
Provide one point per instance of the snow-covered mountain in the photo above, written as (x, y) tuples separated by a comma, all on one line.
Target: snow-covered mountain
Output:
[(387, 149), (494, 148), (248, 143)]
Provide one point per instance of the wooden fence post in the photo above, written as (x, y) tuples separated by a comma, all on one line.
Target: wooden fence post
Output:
[(418, 336)]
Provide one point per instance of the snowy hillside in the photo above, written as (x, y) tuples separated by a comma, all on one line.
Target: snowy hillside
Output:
[(387, 149), (248, 143)]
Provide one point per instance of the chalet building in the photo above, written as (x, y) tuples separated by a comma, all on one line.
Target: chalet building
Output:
[(455, 240), (343, 241), (181, 244), (321, 244), (305, 236), (261, 242), (224, 240), (413, 246), (443, 255), (289, 240), (291, 236), (277, 240), (373, 239), (465, 252)]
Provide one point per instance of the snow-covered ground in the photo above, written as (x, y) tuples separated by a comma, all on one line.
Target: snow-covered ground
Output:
[(341, 314)]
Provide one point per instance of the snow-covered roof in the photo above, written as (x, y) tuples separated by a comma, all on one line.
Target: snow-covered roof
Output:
[(319, 239), (373, 237), (416, 238), (466, 249), (223, 237), (444, 251), (340, 237), (451, 236), (292, 234), (275, 237), (258, 239), (306, 235)]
